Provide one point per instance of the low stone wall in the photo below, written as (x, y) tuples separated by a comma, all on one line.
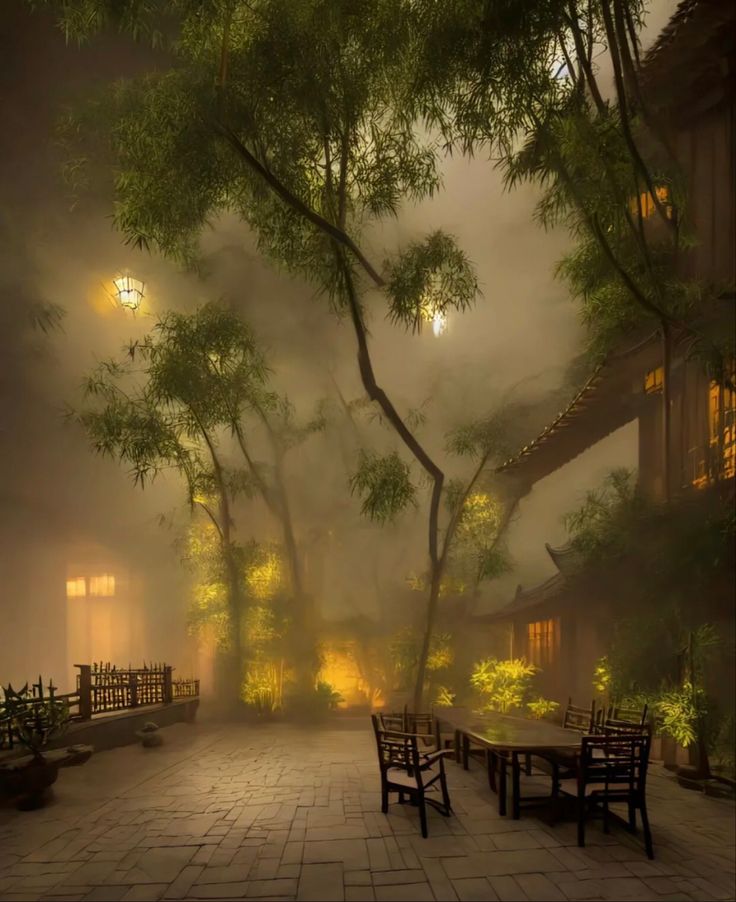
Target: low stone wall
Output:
[(108, 731)]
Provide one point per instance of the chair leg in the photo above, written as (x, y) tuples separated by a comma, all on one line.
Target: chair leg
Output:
[(515, 786), (401, 798), (581, 822), (502, 785), (384, 797), (632, 817), (422, 814), (528, 765), (491, 763), (445, 794), (645, 828)]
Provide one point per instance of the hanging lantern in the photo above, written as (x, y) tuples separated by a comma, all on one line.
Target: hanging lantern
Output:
[(439, 323), (129, 292)]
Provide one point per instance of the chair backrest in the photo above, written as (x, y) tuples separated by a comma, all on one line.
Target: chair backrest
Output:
[(631, 715), (619, 761), (397, 749), (407, 722), (577, 718), (613, 727), (393, 721)]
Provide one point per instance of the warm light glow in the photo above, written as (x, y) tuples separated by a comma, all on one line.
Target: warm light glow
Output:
[(647, 204), (264, 579), (129, 292), (102, 586), (543, 637), (431, 313), (439, 323), (722, 423), (340, 669), (654, 380), (76, 587)]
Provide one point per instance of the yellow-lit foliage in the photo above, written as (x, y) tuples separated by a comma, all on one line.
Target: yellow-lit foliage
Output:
[(441, 652), (265, 577), (263, 686), (541, 707), (341, 670), (262, 625), (208, 611), (445, 697), (503, 684), (602, 675), (481, 516)]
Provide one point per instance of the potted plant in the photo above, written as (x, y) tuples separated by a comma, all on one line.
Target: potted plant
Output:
[(34, 720)]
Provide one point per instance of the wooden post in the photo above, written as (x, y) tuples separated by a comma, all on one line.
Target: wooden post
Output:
[(133, 690), (84, 682), (168, 685)]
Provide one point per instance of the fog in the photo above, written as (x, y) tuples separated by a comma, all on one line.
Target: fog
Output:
[(60, 504)]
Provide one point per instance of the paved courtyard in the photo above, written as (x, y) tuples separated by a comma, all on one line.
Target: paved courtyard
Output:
[(277, 812)]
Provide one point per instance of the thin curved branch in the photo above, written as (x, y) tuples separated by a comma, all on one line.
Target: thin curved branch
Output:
[(338, 235), (212, 517)]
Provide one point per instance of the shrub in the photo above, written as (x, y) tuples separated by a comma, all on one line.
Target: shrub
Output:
[(502, 684), (542, 707)]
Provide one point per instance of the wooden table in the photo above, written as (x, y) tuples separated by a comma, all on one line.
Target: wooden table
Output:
[(505, 739)]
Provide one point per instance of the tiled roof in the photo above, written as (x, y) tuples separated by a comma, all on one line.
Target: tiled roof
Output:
[(600, 407)]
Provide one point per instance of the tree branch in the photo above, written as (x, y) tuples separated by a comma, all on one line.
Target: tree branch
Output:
[(338, 235)]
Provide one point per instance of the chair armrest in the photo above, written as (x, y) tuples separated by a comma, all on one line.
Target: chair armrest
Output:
[(431, 757)]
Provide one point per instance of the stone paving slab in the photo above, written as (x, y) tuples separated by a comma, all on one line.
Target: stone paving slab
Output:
[(279, 812)]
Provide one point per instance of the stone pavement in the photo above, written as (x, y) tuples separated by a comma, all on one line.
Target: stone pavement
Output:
[(279, 812)]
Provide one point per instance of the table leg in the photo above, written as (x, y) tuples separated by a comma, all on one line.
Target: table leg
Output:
[(466, 751), (456, 740), (515, 786), (501, 785), (491, 763)]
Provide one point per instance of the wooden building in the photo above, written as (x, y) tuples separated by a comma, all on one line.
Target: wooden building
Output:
[(688, 76)]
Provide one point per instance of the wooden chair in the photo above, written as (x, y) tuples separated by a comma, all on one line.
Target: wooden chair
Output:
[(611, 769), (619, 714), (578, 718), (407, 722), (406, 771)]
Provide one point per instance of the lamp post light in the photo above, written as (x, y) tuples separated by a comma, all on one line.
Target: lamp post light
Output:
[(129, 292)]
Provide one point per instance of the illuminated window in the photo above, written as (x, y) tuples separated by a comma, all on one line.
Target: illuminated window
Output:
[(697, 468), (543, 641), (102, 586), (654, 380), (648, 207), (76, 587), (722, 422)]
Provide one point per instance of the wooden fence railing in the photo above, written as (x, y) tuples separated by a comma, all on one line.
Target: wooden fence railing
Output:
[(103, 688)]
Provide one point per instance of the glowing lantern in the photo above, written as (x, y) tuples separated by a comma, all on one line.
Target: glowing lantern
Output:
[(128, 291), (439, 323)]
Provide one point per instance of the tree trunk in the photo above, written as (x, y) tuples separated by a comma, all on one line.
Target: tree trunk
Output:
[(304, 644), (434, 595)]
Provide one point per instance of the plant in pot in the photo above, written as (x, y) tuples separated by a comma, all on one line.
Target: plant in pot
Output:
[(33, 721)]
